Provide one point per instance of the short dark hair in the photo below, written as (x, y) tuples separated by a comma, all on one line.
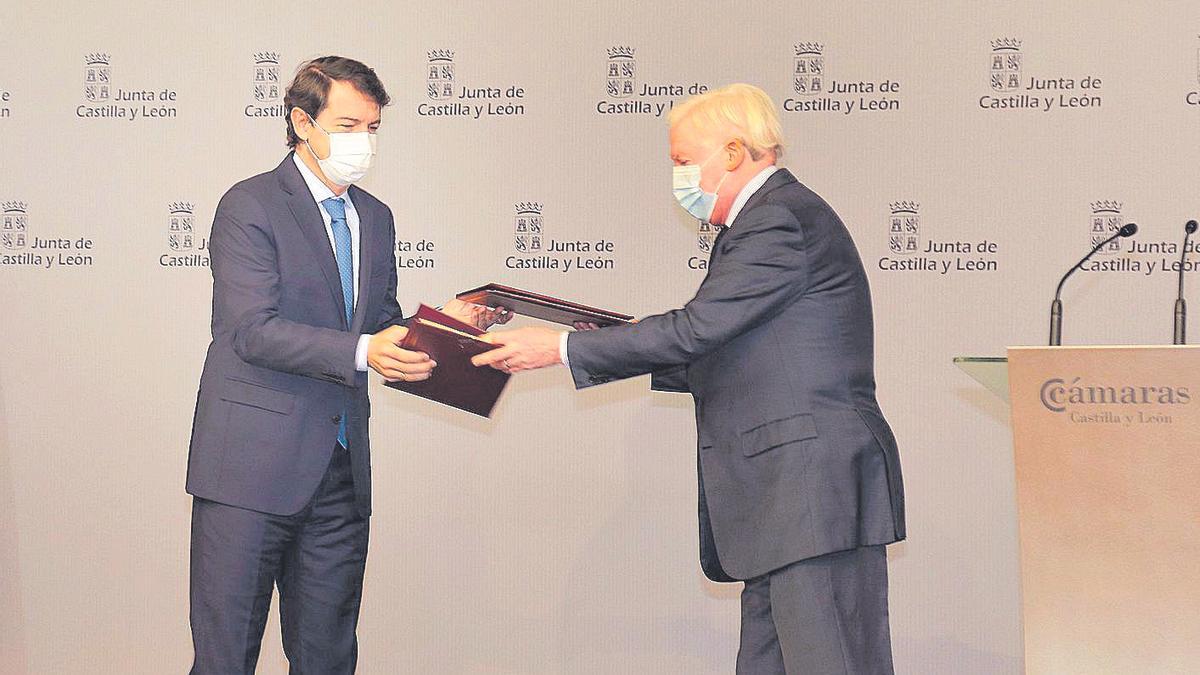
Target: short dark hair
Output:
[(309, 90)]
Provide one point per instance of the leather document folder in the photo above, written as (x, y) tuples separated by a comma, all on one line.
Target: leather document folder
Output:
[(455, 381), (540, 306)]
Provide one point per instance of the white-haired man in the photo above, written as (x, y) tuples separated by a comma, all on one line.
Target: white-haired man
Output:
[(799, 476)]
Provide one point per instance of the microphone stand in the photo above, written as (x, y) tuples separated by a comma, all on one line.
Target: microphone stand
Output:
[(1056, 307), (1180, 303)]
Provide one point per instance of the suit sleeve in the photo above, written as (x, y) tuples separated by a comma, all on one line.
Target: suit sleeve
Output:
[(673, 380), (761, 270), (246, 292), (390, 313)]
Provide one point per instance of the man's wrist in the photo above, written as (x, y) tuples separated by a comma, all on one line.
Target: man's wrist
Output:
[(360, 354), (562, 348)]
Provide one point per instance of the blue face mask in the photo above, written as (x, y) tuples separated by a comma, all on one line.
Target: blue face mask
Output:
[(686, 186)]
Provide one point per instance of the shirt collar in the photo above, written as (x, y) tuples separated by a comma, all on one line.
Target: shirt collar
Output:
[(747, 192), (320, 191)]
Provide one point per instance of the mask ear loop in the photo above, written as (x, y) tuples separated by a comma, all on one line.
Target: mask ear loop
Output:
[(721, 182), (312, 120)]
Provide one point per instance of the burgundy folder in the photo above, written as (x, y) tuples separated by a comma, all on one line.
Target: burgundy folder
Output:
[(455, 381)]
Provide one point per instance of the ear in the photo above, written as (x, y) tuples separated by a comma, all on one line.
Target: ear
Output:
[(301, 123), (735, 154)]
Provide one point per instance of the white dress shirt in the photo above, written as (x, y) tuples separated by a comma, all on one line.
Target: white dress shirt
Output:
[(321, 192), (739, 202), (747, 192)]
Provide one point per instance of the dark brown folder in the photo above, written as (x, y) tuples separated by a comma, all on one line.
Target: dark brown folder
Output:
[(540, 306), (455, 381)]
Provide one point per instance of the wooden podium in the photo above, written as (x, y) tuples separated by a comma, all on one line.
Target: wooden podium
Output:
[(1106, 443)]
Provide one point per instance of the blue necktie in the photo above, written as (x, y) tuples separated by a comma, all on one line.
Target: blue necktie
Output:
[(342, 250)]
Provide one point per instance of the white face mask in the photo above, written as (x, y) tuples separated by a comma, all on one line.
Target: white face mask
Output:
[(350, 155), (689, 194)]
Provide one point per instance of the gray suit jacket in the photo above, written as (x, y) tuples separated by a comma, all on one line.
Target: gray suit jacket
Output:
[(795, 457), (280, 370)]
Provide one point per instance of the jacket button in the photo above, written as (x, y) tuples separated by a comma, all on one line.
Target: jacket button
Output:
[(337, 419)]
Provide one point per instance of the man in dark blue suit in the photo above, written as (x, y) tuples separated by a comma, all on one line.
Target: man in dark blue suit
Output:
[(799, 475), (304, 303)]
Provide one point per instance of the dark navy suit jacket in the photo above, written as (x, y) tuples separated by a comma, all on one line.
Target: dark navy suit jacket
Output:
[(280, 371), (795, 457)]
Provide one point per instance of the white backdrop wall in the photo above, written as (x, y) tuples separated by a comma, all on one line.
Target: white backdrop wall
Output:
[(560, 536)]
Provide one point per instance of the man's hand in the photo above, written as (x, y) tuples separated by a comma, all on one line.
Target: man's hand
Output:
[(396, 364), (479, 316), (522, 349)]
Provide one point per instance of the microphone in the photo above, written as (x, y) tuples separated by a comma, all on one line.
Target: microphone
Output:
[(1127, 230), (1180, 305)]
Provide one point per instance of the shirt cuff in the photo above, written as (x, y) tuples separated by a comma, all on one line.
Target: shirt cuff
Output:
[(360, 354), (562, 349)]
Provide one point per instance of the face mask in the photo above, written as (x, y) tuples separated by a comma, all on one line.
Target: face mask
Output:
[(350, 155), (686, 186)]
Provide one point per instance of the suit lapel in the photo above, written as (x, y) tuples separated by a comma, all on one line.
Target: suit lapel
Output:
[(778, 179), (312, 227), (366, 233)]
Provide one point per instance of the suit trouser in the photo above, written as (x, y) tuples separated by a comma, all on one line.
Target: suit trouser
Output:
[(317, 558), (821, 615)]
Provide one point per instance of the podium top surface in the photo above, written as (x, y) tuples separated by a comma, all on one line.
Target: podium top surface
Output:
[(1066, 348), (990, 371)]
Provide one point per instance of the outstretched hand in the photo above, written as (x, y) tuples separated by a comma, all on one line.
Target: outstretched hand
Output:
[(521, 349)]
